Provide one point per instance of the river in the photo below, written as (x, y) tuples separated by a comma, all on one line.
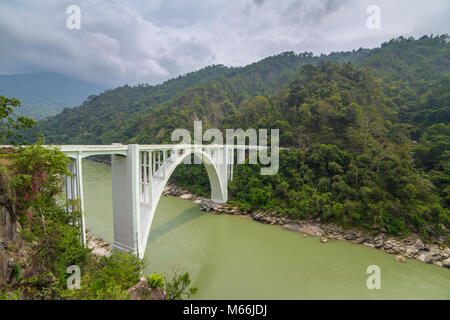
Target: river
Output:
[(234, 258)]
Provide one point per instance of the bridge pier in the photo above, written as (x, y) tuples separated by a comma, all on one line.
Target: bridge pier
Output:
[(126, 206), (79, 162)]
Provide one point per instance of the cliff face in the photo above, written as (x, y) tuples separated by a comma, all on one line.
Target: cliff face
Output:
[(10, 242)]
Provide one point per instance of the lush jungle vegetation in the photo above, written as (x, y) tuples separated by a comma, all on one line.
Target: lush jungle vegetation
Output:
[(352, 162), (367, 130)]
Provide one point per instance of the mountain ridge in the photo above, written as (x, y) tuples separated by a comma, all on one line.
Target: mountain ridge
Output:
[(116, 115), (44, 94)]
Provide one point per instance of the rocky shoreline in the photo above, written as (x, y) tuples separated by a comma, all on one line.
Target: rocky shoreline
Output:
[(411, 247)]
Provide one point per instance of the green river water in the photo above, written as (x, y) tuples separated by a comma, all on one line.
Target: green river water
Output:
[(234, 258)]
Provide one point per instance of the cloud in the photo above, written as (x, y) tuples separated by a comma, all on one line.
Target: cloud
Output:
[(151, 41), (258, 2)]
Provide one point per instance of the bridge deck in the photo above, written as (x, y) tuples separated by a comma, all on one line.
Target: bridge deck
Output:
[(120, 147), (82, 150)]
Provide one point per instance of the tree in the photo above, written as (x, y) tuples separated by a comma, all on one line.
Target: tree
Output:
[(11, 124)]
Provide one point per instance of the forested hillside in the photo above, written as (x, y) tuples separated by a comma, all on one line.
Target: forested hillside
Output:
[(45, 94), (414, 70), (370, 129), (352, 160)]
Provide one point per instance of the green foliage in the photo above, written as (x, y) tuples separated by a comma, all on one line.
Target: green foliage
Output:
[(10, 123), (179, 287), (37, 182), (55, 240), (155, 281), (109, 278), (433, 156), (16, 272), (16, 295), (355, 166)]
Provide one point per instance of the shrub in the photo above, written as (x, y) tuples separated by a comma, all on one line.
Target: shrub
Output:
[(109, 278), (179, 287), (16, 271), (155, 281)]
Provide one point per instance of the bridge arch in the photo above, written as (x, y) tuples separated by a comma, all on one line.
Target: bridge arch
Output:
[(139, 180), (217, 185)]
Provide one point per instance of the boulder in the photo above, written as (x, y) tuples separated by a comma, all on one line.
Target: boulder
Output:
[(99, 246), (362, 239), (350, 236), (208, 205), (157, 294), (10, 241), (389, 244), (139, 290), (446, 263), (419, 244), (311, 230), (378, 241), (5, 269), (422, 256), (434, 255), (8, 217), (411, 252)]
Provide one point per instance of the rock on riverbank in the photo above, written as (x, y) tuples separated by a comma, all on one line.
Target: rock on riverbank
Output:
[(411, 247), (98, 245)]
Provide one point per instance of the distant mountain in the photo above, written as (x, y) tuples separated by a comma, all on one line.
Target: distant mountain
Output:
[(45, 94)]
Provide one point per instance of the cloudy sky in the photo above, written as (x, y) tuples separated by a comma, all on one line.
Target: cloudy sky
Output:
[(149, 41)]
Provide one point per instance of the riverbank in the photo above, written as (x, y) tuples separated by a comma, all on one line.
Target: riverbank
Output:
[(411, 247)]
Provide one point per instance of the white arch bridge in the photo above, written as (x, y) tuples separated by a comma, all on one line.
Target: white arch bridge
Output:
[(139, 175)]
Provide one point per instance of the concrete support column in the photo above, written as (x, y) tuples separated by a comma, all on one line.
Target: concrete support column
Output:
[(81, 197), (164, 163), (219, 190), (126, 201)]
